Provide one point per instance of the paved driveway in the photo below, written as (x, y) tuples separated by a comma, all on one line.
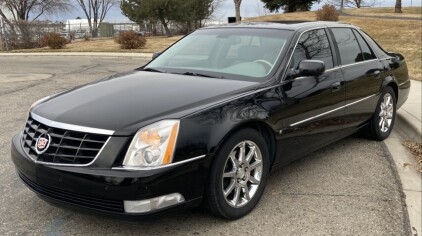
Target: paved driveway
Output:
[(347, 188)]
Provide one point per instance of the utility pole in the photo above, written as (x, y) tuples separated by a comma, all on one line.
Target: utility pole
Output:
[(342, 5)]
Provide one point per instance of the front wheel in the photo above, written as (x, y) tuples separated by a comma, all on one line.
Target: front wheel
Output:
[(385, 114), (238, 175)]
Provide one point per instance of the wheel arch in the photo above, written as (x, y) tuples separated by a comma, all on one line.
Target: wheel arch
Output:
[(267, 133), (389, 81)]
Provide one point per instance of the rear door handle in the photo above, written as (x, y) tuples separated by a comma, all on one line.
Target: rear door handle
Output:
[(335, 86)]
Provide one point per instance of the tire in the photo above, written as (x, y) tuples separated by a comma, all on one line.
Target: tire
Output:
[(382, 122), (240, 178)]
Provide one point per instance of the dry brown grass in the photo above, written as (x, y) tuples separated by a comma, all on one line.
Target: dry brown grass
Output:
[(412, 12), (416, 149), (402, 36), (154, 44)]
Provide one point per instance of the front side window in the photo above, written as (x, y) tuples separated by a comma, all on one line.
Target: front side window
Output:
[(231, 53), (367, 53), (313, 45), (347, 45)]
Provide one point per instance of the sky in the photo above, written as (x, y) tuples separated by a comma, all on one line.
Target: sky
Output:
[(249, 8)]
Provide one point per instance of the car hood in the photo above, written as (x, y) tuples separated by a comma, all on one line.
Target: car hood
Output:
[(126, 102)]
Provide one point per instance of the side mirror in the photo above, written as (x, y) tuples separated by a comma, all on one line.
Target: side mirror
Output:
[(155, 55), (311, 68)]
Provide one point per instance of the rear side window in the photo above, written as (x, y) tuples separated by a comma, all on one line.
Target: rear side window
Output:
[(313, 45), (347, 45), (367, 53), (375, 46)]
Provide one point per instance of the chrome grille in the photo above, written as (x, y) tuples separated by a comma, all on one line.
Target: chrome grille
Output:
[(66, 147)]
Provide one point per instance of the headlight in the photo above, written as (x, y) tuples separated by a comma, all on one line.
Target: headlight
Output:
[(153, 145)]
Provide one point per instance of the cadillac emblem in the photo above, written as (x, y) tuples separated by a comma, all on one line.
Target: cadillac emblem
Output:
[(42, 144)]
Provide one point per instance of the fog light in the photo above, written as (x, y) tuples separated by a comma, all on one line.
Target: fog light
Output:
[(153, 203)]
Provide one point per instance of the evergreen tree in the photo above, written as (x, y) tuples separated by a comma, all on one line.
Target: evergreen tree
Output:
[(289, 5), (190, 13)]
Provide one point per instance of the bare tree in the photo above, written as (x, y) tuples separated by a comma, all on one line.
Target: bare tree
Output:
[(397, 9), (353, 3), (96, 11), (29, 10), (237, 8), (219, 13)]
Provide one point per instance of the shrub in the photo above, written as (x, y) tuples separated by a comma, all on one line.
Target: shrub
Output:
[(53, 40), (15, 42), (26, 39), (130, 40), (327, 13)]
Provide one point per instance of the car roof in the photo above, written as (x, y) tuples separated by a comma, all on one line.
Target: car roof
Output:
[(285, 25)]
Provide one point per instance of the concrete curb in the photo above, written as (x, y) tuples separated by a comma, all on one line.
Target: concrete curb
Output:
[(146, 56), (409, 125), (409, 115), (410, 179)]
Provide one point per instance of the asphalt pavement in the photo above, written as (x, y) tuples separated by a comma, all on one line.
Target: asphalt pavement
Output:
[(348, 188)]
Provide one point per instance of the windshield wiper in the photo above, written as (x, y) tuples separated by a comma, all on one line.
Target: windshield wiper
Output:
[(154, 70), (201, 75)]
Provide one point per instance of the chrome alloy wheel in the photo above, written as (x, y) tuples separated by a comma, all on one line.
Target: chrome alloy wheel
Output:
[(242, 174), (386, 113)]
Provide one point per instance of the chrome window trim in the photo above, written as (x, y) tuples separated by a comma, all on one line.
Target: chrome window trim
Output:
[(297, 41), (70, 127), (357, 63), (128, 168), (358, 30), (366, 41), (331, 111), (335, 67), (276, 63), (332, 69), (366, 37), (61, 164)]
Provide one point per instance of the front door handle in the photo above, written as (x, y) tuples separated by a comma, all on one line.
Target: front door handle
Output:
[(335, 86)]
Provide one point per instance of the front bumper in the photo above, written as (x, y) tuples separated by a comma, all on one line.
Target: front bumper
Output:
[(103, 190)]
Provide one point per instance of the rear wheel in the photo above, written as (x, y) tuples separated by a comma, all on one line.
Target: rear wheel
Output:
[(382, 122), (238, 175)]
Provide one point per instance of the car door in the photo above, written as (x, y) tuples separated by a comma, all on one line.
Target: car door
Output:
[(363, 74), (311, 107)]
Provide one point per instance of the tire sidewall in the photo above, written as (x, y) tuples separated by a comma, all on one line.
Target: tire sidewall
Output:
[(376, 130), (217, 170)]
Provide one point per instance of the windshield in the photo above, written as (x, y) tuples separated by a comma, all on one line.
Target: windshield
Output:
[(231, 53)]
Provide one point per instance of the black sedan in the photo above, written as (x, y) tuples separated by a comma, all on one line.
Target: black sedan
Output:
[(209, 118)]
